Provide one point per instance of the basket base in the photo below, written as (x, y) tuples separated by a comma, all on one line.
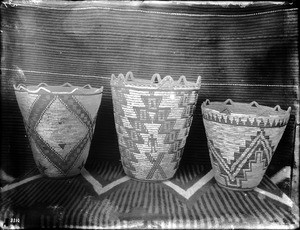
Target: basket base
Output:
[(145, 180), (60, 177), (236, 189)]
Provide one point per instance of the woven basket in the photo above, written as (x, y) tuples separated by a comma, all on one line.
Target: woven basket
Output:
[(242, 139), (153, 119), (59, 122)]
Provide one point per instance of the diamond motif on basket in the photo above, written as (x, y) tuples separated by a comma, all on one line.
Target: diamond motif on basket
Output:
[(60, 140), (62, 152)]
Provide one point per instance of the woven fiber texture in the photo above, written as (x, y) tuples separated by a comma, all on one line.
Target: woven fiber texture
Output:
[(153, 119), (59, 122), (242, 139)]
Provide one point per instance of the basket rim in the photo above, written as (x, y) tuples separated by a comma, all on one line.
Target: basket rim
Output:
[(278, 117), (66, 89), (155, 83), (241, 109)]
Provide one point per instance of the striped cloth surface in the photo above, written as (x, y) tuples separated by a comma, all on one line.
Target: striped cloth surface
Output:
[(104, 197)]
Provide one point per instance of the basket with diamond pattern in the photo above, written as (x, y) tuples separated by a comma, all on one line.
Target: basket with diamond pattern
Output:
[(59, 122)]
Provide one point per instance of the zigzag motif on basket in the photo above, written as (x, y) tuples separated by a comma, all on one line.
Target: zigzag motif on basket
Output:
[(68, 89), (256, 151), (249, 122), (156, 82), (152, 125)]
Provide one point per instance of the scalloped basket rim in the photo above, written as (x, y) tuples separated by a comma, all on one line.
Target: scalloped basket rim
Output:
[(43, 87), (276, 109), (162, 83)]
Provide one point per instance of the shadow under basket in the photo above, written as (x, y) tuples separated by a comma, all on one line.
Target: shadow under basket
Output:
[(59, 122), (242, 139), (153, 119)]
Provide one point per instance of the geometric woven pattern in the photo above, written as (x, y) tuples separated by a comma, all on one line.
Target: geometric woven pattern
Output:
[(60, 129), (241, 144), (252, 159), (104, 197), (152, 127)]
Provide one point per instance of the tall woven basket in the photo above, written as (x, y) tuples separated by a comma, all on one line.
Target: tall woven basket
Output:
[(153, 119), (59, 122), (242, 139)]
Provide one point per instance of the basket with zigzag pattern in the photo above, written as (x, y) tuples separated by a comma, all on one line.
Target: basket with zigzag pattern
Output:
[(153, 119), (242, 139), (59, 122)]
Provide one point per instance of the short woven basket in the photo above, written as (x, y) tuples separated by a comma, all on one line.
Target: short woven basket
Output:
[(153, 119), (242, 139), (59, 122)]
